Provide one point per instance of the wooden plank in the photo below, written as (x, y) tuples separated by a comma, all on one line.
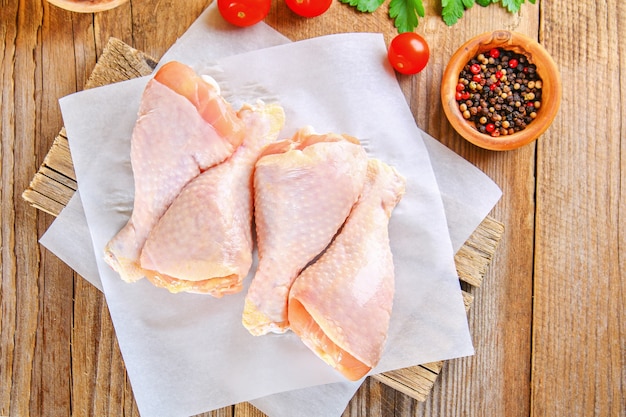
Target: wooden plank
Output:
[(496, 380), (55, 328), (579, 337), (21, 289)]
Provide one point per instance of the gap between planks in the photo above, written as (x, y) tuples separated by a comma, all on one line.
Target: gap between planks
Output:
[(54, 184)]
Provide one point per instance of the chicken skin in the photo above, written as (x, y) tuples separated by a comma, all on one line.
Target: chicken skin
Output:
[(184, 127), (203, 243), (340, 305), (304, 190)]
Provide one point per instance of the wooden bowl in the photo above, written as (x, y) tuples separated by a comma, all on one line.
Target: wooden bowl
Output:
[(518, 43), (87, 6)]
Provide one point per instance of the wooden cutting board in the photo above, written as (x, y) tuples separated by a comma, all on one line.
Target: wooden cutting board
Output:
[(55, 182)]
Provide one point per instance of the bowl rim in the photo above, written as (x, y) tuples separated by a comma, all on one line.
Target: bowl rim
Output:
[(536, 54), (87, 6)]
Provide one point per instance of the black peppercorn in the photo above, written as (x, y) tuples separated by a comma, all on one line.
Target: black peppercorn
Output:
[(502, 90)]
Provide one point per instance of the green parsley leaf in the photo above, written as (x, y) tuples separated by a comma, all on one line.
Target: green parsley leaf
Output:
[(512, 5), (404, 13), (452, 10), (366, 6)]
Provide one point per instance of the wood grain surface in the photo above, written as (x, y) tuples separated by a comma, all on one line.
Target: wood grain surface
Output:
[(548, 322)]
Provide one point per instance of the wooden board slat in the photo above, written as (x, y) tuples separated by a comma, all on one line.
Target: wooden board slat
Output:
[(474, 257), (42, 201), (120, 62), (416, 381), (59, 156), (55, 183)]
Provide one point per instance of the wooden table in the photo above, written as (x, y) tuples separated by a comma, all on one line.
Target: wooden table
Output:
[(549, 322)]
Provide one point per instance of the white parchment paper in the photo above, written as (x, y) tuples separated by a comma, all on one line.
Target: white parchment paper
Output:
[(186, 353)]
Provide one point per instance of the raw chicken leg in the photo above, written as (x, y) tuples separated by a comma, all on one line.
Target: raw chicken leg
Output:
[(304, 189), (184, 127), (203, 242), (340, 306)]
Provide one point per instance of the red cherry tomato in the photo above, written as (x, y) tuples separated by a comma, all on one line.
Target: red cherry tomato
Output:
[(244, 12), (308, 8), (408, 53)]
